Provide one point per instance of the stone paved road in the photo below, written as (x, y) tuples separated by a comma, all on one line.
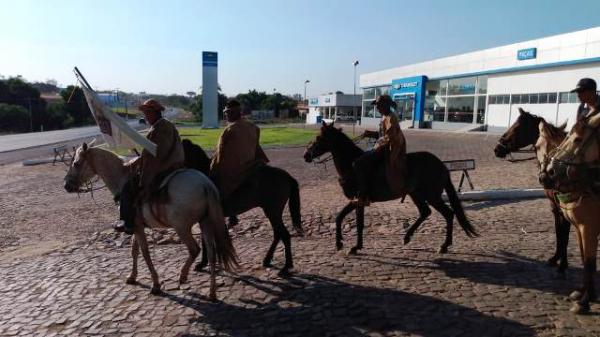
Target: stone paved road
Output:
[(495, 285)]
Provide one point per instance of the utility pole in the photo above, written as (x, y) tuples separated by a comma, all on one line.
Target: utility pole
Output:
[(305, 82), (353, 97), (30, 115)]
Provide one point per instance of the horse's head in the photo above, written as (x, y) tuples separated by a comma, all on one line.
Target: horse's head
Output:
[(322, 143), (523, 132), (80, 171), (576, 157), (549, 139)]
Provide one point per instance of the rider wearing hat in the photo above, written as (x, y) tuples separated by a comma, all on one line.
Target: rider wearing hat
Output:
[(586, 92), (238, 151), (147, 168), (389, 149)]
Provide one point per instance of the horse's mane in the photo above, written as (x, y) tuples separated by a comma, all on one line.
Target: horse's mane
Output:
[(342, 139), (554, 132), (195, 157)]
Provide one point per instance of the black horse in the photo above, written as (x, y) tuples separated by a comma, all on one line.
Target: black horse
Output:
[(429, 174), (525, 132), (268, 188)]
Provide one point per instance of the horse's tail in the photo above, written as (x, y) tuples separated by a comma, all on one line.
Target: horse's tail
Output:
[(215, 234), (294, 205), (458, 210)]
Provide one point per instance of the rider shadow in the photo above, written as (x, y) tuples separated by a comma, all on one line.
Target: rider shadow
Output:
[(513, 270), (476, 206), (311, 305)]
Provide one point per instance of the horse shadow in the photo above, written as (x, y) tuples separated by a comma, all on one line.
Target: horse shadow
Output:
[(311, 305), (511, 270)]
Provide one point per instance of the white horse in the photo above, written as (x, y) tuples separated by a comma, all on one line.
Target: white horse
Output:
[(192, 198)]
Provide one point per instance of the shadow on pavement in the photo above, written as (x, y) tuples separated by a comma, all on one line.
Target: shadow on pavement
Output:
[(311, 305)]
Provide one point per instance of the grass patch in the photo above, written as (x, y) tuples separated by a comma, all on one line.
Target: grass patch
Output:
[(269, 137)]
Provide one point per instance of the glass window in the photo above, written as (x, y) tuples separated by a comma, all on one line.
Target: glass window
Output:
[(480, 110), (435, 108), (482, 84), (543, 98), (382, 90), (369, 93), (432, 88), (552, 97), (460, 109), (492, 99), (443, 87), (506, 99), (461, 86), (573, 97), (516, 99), (564, 97), (524, 98), (369, 110), (533, 98)]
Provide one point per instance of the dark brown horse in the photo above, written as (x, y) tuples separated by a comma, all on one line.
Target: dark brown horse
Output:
[(269, 188), (429, 173), (525, 132)]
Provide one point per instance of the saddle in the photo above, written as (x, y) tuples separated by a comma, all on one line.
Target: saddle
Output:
[(158, 193)]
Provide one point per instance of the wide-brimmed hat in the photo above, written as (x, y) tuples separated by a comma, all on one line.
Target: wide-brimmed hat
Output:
[(151, 105), (585, 84)]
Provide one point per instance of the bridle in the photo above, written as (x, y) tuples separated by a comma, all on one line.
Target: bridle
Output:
[(89, 184), (316, 159)]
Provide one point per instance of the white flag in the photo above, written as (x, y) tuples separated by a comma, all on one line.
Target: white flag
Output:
[(115, 130)]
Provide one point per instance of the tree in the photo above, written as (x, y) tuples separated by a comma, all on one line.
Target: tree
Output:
[(76, 106), (16, 91), (13, 118), (57, 116)]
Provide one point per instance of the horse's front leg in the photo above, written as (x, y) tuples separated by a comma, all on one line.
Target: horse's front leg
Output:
[(360, 225), (338, 224), (589, 238), (204, 260), (135, 252), (141, 238)]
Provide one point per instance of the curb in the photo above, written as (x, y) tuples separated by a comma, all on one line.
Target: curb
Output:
[(528, 193)]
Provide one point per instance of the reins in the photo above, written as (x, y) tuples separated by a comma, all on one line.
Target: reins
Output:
[(316, 161)]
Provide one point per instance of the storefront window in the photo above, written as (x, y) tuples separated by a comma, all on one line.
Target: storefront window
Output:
[(432, 88), (369, 110), (443, 87), (382, 91), (461, 86), (482, 84), (460, 109), (435, 108), (369, 93), (480, 110)]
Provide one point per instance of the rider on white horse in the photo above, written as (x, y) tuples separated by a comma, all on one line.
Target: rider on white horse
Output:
[(147, 170)]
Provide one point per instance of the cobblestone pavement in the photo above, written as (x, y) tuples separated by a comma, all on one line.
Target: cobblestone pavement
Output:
[(494, 285)]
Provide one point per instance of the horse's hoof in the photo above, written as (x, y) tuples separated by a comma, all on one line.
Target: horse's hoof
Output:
[(212, 298), (443, 250), (155, 290), (575, 295), (552, 262), (407, 239), (183, 281), (285, 272), (200, 266), (580, 308), (353, 251), (131, 281), (339, 245)]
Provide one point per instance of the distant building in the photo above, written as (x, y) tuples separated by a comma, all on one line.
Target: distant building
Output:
[(333, 107)]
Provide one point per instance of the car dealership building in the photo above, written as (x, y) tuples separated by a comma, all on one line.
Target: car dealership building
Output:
[(484, 89)]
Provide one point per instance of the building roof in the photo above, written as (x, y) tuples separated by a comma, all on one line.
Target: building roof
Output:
[(564, 49)]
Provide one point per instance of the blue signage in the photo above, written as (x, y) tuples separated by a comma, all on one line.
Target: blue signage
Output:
[(313, 101), (411, 87), (527, 54), (209, 59)]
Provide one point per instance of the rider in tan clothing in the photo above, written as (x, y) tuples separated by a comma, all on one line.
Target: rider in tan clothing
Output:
[(238, 151), (390, 149), (147, 168)]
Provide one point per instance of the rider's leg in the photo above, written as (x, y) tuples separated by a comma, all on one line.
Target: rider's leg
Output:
[(363, 168), (127, 207)]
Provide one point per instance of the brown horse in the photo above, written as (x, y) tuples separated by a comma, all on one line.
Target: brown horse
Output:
[(526, 132), (269, 188), (573, 170), (431, 178)]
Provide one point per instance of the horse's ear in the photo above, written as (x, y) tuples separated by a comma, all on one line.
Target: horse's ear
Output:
[(521, 111), (542, 126), (563, 126), (323, 123), (85, 146)]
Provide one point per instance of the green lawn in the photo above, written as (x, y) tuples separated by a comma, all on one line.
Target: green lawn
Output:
[(269, 136)]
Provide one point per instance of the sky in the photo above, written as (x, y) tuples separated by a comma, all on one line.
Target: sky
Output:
[(156, 46)]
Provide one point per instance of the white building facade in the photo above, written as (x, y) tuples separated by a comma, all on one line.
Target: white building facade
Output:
[(333, 107), (484, 89)]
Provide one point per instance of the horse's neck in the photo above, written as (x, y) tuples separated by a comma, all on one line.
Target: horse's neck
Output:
[(344, 154), (109, 167)]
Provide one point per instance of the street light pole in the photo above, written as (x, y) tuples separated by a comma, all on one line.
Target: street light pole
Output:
[(353, 97)]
